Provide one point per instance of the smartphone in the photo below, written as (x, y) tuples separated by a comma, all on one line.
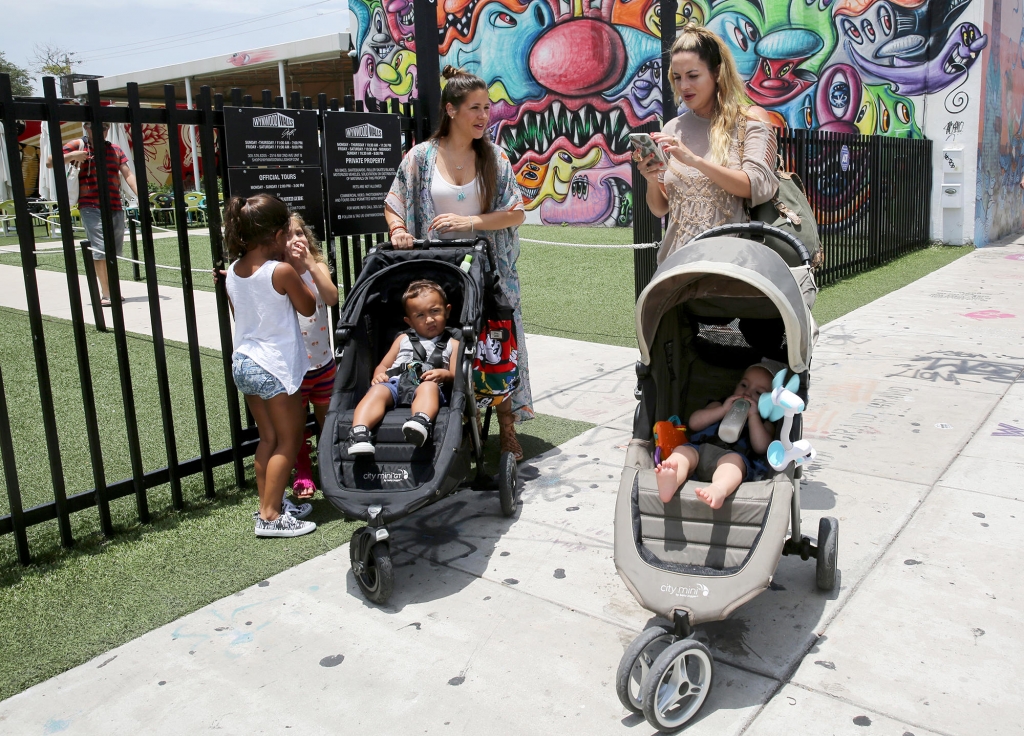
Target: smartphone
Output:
[(646, 145)]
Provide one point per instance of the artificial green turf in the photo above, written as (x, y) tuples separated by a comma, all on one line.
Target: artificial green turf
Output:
[(71, 605), (579, 293)]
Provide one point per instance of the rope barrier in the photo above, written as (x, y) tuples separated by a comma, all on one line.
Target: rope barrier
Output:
[(157, 265), (630, 246)]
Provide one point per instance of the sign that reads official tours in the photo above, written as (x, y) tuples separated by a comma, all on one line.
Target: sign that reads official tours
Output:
[(260, 136), (363, 152), (301, 188)]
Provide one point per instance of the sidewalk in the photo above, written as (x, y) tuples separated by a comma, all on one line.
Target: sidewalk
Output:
[(502, 626)]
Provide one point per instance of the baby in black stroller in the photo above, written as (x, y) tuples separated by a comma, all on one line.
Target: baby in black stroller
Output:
[(414, 372)]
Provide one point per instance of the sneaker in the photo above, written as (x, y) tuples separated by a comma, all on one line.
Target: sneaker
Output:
[(417, 429), (360, 442), (284, 525), (299, 511)]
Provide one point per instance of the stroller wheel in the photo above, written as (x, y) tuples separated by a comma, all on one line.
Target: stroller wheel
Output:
[(677, 685), (508, 483), (636, 663), (828, 553), (374, 573)]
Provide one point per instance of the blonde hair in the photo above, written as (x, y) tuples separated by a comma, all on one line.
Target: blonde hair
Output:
[(314, 244), (730, 100)]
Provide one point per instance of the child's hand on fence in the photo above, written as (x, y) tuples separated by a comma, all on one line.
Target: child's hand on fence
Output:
[(381, 377), (218, 274)]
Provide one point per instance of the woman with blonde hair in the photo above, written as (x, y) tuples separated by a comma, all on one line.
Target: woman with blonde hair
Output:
[(721, 151), (458, 184)]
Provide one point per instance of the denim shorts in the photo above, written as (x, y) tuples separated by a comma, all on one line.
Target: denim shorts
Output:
[(253, 379), (392, 385)]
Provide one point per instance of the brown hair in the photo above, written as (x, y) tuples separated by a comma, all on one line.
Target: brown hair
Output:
[(421, 285), (730, 99), (252, 222), (458, 85), (314, 244)]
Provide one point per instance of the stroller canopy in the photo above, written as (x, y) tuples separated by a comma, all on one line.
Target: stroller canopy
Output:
[(727, 278)]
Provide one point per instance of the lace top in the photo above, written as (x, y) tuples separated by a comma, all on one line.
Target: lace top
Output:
[(695, 203)]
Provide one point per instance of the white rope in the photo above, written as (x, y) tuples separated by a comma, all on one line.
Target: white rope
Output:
[(155, 227), (630, 246), (157, 265)]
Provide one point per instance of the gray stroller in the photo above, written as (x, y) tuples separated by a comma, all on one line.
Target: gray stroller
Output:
[(712, 308)]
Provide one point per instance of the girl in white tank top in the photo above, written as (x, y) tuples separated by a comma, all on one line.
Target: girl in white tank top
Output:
[(269, 358)]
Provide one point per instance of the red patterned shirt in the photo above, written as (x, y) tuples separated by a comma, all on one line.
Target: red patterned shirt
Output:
[(88, 187)]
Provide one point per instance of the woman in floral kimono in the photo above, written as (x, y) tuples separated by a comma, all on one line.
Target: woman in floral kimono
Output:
[(457, 185)]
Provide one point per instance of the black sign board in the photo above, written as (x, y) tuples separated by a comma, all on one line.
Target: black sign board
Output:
[(301, 188), (363, 152), (258, 136)]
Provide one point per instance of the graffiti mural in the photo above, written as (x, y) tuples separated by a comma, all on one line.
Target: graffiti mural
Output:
[(569, 79), (999, 206)]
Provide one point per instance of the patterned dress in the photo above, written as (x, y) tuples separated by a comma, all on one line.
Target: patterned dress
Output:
[(410, 199)]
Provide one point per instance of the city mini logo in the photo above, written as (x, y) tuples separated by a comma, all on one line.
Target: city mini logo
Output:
[(686, 591), (273, 120), (364, 131), (387, 476)]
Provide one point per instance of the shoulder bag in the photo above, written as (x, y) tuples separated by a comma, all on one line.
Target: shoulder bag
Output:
[(788, 210)]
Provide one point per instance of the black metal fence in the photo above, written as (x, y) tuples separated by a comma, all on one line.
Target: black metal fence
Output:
[(871, 196), (344, 256)]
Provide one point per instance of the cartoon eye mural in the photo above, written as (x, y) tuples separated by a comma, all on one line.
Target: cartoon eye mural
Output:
[(967, 34), (741, 40), (885, 19), (839, 97), (884, 122), (767, 68), (503, 20), (862, 113), (784, 70), (565, 157), (808, 111), (687, 11), (869, 30), (903, 112), (851, 31)]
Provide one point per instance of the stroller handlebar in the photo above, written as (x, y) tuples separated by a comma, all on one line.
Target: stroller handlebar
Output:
[(757, 227), (427, 244)]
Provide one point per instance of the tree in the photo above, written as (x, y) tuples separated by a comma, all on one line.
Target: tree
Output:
[(21, 83), (54, 61)]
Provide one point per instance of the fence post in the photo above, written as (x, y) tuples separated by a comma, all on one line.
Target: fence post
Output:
[(11, 478), (153, 293), (217, 255), (26, 240), (77, 314), (646, 227), (116, 309), (185, 259), (136, 276), (90, 281)]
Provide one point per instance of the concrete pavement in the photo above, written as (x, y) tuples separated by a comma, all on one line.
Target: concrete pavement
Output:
[(517, 625)]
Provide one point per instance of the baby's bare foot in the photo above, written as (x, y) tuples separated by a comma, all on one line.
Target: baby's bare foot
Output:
[(668, 480), (713, 496)]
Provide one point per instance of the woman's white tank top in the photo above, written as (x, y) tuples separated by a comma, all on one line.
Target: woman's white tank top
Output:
[(266, 326), (446, 200)]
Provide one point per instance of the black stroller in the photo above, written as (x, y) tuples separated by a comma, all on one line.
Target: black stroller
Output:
[(401, 478)]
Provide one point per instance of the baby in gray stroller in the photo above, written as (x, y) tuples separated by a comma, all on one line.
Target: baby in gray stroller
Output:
[(728, 444)]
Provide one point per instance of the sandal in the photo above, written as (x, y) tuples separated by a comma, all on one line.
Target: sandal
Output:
[(507, 434), (105, 301)]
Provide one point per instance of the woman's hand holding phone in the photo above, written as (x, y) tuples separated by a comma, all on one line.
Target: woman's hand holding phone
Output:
[(675, 148), (651, 160)]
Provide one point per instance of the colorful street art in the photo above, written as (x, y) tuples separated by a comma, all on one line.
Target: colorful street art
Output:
[(999, 206), (569, 79)]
